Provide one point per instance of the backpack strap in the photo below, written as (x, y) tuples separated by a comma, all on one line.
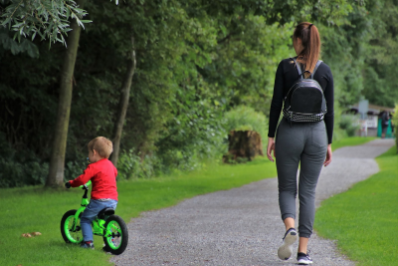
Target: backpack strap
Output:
[(315, 68), (298, 66), (300, 72)]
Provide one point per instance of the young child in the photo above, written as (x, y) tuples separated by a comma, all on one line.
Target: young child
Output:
[(102, 174)]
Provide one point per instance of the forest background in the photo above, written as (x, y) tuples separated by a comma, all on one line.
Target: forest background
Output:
[(197, 69)]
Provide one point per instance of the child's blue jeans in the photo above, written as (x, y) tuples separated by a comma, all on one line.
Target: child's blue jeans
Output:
[(89, 214)]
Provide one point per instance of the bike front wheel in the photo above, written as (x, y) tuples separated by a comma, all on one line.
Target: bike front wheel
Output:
[(70, 228), (115, 235)]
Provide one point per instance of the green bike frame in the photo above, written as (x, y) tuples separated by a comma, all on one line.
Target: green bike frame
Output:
[(108, 225), (98, 225)]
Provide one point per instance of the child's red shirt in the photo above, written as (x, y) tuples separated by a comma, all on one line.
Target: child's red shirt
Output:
[(103, 177)]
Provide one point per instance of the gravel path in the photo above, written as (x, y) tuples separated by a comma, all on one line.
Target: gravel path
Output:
[(241, 226)]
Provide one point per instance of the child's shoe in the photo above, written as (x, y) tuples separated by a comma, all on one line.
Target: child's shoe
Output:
[(87, 244), (285, 251), (303, 259)]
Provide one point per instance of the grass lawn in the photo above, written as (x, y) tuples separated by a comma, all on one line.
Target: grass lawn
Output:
[(363, 219), (351, 141), (36, 209)]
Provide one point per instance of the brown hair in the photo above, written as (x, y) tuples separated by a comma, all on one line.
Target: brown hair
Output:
[(311, 41), (102, 145)]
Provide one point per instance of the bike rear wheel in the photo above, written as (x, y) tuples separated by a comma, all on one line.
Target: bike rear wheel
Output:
[(115, 235), (68, 221)]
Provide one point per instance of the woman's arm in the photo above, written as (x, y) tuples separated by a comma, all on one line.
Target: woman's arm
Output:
[(277, 101), (329, 97)]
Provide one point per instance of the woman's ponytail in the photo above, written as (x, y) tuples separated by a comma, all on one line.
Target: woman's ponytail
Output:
[(311, 41)]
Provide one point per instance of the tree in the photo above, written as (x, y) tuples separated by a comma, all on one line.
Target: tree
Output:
[(364, 50), (57, 163), (48, 19), (195, 61), (381, 59), (123, 104)]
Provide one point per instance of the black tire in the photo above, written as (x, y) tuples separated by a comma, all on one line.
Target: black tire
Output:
[(117, 241), (67, 223)]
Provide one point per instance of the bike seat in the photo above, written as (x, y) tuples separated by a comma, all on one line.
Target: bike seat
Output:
[(106, 212)]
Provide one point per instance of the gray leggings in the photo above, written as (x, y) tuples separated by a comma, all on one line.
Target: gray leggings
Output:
[(304, 143)]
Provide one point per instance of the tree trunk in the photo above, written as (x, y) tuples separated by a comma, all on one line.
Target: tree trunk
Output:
[(123, 105), (55, 176)]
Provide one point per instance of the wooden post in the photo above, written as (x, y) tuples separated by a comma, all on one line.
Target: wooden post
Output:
[(243, 144)]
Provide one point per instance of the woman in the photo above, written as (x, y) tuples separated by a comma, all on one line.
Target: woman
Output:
[(304, 143)]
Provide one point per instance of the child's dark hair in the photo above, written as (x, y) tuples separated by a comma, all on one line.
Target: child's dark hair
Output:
[(102, 145)]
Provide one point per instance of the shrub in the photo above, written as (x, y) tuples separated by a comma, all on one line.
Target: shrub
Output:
[(18, 169), (74, 168), (349, 123), (19, 174), (338, 133), (246, 118), (130, 165)]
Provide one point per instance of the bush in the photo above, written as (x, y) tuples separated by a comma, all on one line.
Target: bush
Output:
[(18, 169), (130, 165), (19, 174), (349, 123), (338, 133), (75, 168)]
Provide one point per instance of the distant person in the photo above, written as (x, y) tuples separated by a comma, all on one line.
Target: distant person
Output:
[(385, 119), (307, 144), (102, 174)]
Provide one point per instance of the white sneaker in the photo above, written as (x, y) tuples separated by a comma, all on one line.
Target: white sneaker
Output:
[(285, 251), (303, 259)]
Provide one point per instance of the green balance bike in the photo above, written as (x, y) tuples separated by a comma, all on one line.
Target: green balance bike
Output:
[(108, 225)]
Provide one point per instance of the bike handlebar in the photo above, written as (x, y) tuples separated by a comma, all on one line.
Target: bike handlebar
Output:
[(85, 186)]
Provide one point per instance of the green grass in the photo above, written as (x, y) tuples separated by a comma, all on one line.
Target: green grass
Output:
[(32, 209), (363, 220), (351, 141)]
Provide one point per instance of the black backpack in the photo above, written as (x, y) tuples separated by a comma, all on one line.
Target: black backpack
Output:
[(305, 102)]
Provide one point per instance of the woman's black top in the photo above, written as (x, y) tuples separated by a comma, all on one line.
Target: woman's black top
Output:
[(286, 76)]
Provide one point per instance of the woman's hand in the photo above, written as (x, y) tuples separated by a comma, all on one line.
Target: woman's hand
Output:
[(328, 159), (271, 149)]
